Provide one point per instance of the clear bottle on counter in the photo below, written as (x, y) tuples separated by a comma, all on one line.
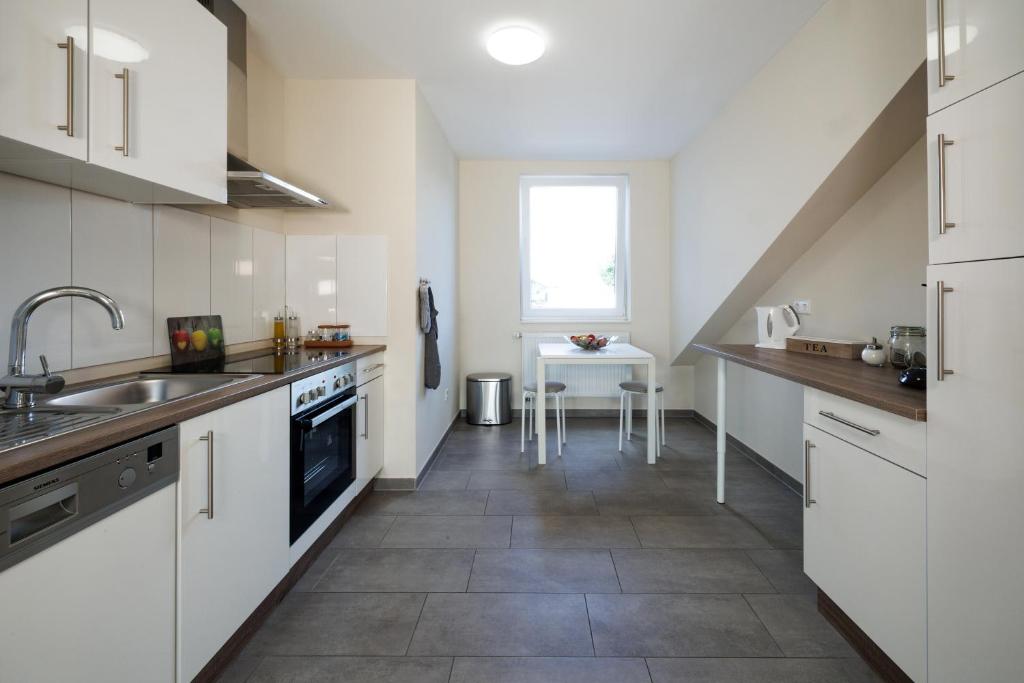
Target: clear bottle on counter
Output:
[(907, 346)]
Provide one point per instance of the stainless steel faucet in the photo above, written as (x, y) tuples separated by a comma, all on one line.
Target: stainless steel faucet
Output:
[(21, 387)]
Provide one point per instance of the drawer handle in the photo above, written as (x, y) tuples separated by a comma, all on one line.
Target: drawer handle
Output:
[(844, 421), (944, 224), (940, 320), (808, 501), (208, 510), (373, 368), (123, 147)]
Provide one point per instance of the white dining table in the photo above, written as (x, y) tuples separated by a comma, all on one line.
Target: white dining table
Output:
[(613, 354)]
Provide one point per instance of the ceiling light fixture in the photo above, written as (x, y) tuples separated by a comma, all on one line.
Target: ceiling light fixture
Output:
[(515, 45)]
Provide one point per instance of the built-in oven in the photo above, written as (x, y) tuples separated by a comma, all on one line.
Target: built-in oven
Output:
[(323, 444)]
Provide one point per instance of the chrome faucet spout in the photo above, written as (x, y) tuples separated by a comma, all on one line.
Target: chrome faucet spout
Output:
[(18, 383)]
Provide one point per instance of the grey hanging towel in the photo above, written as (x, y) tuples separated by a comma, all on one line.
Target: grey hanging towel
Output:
[(431, 357), (425, 307)]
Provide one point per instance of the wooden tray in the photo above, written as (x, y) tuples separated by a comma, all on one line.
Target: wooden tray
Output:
[(832, 348), (328, 344)]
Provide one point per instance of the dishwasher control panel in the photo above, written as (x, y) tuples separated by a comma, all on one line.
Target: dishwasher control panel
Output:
[(46, 508)]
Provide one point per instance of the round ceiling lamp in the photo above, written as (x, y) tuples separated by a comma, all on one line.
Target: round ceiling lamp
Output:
[(515, 45)]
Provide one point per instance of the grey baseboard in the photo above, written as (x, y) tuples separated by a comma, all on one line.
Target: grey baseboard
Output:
[(753, 455), (602, 412)]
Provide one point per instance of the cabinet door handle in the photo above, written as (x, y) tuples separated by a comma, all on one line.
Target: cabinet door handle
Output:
[(842, 420), (808, 501), (208, 510), (941, 21), (365, 398), (944, 225), (940, 321), (69, 126), (123, 147)]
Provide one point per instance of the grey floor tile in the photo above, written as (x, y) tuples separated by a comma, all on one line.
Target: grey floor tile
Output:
[(614, 480), (396, 570), (445, 480), (785, 569), (762, 499), (630, 503), (782, 531), (353, 670), (483, 460), (239, 670), (697, 531), (315, 571), (362, 531), (565, 531), (541, 503), (688, 571), (339, 624), (798, 628), (760, 671), (471, 531), (511, 625), (532, 480), (424, 503), (549, 669), (543, 571), (677, 626)]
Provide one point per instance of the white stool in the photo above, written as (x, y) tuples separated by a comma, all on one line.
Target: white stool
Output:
[(626, 409), (552, 390)]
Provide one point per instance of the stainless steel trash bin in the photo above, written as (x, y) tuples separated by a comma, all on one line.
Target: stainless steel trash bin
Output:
[(489, 398)]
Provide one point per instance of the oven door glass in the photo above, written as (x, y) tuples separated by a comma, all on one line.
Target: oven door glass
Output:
[(322, 460)]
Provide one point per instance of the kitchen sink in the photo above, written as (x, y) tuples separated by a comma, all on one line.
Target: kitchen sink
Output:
[(142, 391)]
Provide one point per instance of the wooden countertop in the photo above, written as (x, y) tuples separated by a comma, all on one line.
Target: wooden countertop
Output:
[(28, 459), (852, 379)]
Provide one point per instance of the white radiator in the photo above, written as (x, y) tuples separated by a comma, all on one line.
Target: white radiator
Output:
[(589, 381)]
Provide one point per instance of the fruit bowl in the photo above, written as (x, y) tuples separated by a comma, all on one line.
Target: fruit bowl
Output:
[(590, 342)]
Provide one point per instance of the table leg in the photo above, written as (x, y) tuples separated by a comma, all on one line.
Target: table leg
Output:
[(721, 432), (542, 442), (652, 415)]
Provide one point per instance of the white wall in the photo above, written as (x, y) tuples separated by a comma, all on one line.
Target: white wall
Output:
[(739, 184), (489, 268), (862, 276), (436, 260), (154, 261)]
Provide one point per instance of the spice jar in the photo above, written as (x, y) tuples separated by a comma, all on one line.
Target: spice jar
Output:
[(907, 346)]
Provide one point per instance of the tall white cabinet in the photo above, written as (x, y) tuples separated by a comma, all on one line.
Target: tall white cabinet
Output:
[(976, 345), (233, 527)]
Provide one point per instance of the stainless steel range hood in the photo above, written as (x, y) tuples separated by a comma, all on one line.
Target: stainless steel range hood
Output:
[(248, 186)]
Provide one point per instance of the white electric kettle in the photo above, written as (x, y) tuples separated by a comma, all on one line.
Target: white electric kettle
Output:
[(773, 326)]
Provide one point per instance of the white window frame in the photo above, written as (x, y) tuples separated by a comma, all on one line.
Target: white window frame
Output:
[(622, 276)]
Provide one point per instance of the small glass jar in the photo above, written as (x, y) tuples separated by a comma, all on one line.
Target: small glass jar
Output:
[(907, 346)]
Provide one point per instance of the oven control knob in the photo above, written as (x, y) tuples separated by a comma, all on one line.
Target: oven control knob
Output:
[(301, 400), (311, 395), (321, 390), (351, 377), (338, 384)]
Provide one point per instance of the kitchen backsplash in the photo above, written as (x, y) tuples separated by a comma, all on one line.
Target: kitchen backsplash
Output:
[(154, 261)]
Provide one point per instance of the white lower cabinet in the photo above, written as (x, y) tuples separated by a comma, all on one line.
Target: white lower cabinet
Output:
[(975, 471), (233, 527), (370, 415), (864, 543)]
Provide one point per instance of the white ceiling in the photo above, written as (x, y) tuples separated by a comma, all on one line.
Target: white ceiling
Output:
[(621, 79)]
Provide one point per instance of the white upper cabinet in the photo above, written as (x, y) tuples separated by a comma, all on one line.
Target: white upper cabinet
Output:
[(231, 278), (975, 472), (43, 76), (975, 176), (158, 86), (363, 284), (983, 45)]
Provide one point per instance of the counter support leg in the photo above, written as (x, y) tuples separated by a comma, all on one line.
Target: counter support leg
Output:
[(721, 432)]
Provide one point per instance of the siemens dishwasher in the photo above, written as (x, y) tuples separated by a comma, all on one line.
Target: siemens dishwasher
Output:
[(87, 567)]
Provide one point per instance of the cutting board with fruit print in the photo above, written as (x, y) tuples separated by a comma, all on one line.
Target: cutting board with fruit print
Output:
[(197, 343)]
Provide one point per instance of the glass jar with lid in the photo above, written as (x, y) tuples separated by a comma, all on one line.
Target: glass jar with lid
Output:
[(907, 346)]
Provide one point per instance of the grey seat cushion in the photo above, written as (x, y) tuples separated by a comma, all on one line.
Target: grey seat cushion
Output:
[(639, 387), (550, 387)]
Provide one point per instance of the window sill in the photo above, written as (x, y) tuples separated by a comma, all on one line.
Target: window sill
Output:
[(575, 321)]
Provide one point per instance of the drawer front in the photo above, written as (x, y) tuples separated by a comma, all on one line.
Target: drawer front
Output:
[(899, 440), (864, 544), (369, 368)]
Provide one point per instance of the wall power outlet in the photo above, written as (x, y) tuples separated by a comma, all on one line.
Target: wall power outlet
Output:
[(802, 306)]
